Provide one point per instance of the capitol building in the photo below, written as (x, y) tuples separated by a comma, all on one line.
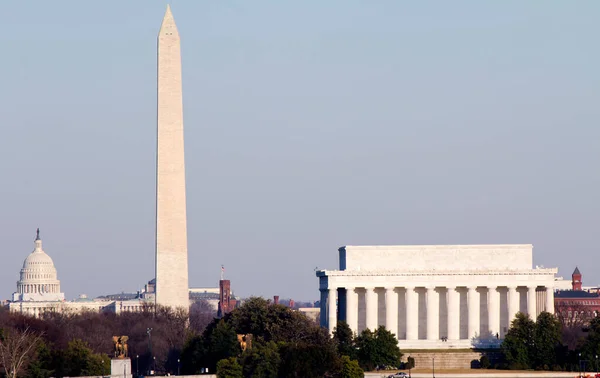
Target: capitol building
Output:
[(38, 290), (38, 281)]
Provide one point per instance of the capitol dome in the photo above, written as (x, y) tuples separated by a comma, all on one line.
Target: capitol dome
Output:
[(38, 280)]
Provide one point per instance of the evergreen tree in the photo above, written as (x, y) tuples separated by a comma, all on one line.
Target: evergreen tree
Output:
[(262, 360), (309, 359), (546, 341), (43, 365), (518, 343), (378, 348), (284, 342), (229, 368), (79, 360), (218, 342), (344, 338), (591, 345), (351, 369)]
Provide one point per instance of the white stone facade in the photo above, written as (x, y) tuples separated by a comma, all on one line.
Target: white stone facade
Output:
[(171, 223), (436, 296), (38, 280), (37, 309), (38, 290)]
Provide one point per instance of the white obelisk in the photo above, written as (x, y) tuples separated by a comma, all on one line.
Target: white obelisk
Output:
[(172, 288)]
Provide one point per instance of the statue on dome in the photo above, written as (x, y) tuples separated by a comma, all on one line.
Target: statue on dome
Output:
[(120, 349), (37, 235)]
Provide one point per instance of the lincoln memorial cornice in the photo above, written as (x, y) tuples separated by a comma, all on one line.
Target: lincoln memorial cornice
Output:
[(436, 272)]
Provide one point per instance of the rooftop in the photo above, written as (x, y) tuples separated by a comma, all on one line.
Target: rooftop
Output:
[(575, 294)]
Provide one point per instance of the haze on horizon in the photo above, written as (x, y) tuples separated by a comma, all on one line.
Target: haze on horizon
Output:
[(308, 127)]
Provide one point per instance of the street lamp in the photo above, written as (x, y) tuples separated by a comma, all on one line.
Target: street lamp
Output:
[(154, 368), (596, 363), (149, 332), (433, 366), (579, 365), (179, 365), (137, 364)]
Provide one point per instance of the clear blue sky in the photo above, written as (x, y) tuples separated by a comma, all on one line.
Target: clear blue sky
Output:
[(309, 125)]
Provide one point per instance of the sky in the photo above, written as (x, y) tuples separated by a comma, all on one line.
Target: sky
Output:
[(308, 126)]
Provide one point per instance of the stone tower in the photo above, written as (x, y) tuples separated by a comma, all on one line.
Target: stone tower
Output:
[(171, 229), (576, 279)]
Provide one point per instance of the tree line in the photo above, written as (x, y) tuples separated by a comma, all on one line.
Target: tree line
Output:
[(280, 342), (256, 339), (549, 344), (80, 344)]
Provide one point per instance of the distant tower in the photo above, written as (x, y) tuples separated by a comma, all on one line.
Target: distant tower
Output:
[(225, 302), (171, 229), (576, 279)]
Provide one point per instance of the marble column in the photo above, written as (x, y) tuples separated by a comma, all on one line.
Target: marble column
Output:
[(332, 309), (371, 308), (453, 314), (513, 303), (322, 313), (352, 309), (412, 314), (391, 310), (550, 299), (493, 311), (474, 311), (433, 309), (531, 301)]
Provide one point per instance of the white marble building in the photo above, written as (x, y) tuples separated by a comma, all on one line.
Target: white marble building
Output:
[(437, 296), (38, 280), (38, 290)]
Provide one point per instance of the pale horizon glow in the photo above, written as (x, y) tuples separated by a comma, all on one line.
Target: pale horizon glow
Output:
[(308, 126)]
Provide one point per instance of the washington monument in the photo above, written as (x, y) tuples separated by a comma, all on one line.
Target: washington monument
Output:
[(172, 288)]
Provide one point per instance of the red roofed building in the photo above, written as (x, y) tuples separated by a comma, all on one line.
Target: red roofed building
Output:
[(576, 306)]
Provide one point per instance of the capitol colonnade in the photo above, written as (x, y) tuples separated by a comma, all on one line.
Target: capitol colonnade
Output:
[(460, 306)]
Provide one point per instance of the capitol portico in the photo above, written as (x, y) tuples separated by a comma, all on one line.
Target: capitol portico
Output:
[(455, 296)]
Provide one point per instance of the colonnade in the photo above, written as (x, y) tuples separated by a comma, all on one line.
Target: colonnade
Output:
[(38, 288), (433, 296)]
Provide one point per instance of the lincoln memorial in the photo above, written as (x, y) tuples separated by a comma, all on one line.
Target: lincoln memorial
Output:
[(435, 296)]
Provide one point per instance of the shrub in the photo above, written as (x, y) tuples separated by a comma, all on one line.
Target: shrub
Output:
[(484, 362)]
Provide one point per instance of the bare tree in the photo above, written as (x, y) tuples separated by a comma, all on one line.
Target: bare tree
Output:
[(573, 314), (574, 317), (16, 348), (201, 314)]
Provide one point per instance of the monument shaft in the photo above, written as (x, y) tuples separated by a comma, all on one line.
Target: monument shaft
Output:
[(171, 225)]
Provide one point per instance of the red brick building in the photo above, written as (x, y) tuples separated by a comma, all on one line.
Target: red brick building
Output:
[(576, 306), (226, 302)]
